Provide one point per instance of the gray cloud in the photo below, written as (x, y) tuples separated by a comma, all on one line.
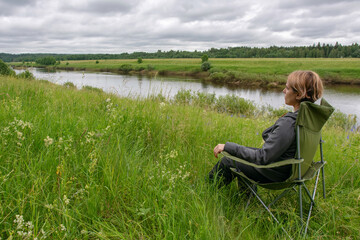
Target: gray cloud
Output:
[(111, 26)]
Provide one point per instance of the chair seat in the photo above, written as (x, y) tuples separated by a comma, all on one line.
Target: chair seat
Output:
[(272, 186), (289, 183)]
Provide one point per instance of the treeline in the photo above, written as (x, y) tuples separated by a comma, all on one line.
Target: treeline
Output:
[(315, 51)]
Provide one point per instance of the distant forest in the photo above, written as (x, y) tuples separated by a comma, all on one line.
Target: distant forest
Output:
[(315, 51)]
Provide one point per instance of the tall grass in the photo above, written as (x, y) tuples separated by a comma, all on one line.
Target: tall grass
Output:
[(85, 164)]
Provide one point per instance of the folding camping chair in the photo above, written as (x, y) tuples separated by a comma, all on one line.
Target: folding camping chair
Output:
[(311, 118)]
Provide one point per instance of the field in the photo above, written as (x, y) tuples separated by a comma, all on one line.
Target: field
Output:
[(83, 164), (260, 71)]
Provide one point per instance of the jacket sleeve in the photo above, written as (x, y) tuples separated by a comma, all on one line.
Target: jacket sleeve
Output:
[(277, 142)]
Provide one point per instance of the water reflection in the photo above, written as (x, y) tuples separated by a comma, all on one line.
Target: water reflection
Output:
[(344, 98)]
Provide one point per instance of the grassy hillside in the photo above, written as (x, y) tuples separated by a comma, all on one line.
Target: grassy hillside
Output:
[(85, 164)]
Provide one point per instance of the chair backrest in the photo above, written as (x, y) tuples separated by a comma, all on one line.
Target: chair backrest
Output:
[(310, 120)]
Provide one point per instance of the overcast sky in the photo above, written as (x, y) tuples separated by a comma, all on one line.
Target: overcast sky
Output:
[(117, 26)]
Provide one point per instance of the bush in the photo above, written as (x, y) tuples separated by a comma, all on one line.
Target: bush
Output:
[(204, 58), (97, 62), (139, 60), (126, 68), (183, 96), (205, 66), (69, 85), (218, 76), (204, 99), (139, 68), (26, 74), (235, 105), (5, 69)]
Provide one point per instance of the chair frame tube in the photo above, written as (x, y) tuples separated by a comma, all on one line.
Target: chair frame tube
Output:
[(298, 157)]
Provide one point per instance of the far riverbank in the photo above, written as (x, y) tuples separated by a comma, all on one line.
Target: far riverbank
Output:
[(267, 73)]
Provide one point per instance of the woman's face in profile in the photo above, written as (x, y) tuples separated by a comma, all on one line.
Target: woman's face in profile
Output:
[(290, 96)]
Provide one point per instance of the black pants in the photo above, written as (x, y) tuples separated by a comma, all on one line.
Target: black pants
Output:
[(225, 175)]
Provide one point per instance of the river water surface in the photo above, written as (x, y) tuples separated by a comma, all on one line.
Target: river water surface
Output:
[(343, 98)]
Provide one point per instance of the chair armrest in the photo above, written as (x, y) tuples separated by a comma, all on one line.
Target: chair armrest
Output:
[(271, 165)]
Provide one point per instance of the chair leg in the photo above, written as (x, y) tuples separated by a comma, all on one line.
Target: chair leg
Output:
[(322, 169), (312, 203), (323, 181), (300, 203), (309, 195), (267, 209)]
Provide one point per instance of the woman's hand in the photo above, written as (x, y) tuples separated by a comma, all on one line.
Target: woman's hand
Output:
[(218, 149)]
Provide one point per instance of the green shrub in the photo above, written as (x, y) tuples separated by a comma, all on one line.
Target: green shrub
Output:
[(204, 99), (235, 105), (183, 97), (140, 68), (26, 74), (125, 68), (97, 62), (205, 66), (139, 60), (204, 58), (218, 76), (5, 69), (69, 85)]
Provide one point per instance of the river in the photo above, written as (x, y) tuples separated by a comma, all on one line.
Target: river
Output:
[(343, 98)]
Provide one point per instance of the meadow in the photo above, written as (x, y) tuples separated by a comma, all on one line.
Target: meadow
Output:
[(257, 71), (84, 164)]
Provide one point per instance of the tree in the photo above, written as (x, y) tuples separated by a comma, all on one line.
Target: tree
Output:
[(5, 69), (204, 58), (139, 60), (46, 60)]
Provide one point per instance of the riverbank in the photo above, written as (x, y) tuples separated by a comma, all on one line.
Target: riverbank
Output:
[(249, 72), (86, 164)]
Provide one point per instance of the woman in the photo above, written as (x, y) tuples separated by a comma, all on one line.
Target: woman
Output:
[(279, 139)]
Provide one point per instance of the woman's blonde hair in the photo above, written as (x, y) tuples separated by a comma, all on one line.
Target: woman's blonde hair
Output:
[(307, 84)]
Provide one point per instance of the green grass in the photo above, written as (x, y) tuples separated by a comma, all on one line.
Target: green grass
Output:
[(263, 70), (85, 164)]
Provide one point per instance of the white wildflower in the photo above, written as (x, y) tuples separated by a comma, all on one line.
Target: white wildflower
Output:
[(20, 221), (89, 137), (173, 154), (162, 104), (84, 231), (20, 135), (48, 141), (66, 200), (62, 227), (29, 225), (49, 206), (108, 100)]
